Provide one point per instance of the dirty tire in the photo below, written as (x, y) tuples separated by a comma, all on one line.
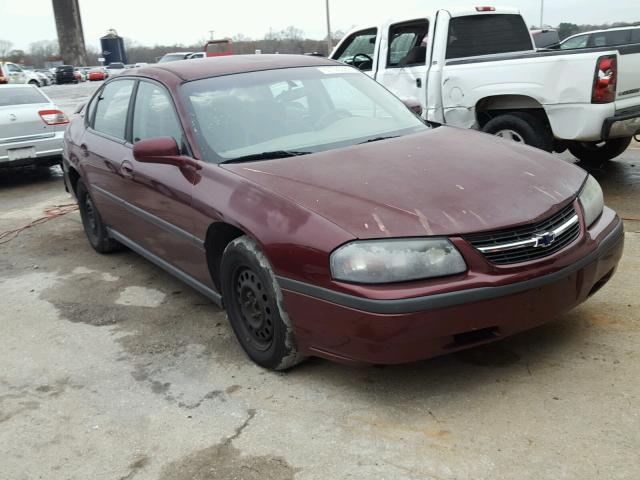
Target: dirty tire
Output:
[(254, 304), (593, 152), (527, 127), (92, 222)]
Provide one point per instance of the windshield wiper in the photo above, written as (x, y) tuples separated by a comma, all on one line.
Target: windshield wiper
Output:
[(378, 139), (267, 156)]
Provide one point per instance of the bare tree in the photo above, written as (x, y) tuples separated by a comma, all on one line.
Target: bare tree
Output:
[(42, 51), (5, 48)]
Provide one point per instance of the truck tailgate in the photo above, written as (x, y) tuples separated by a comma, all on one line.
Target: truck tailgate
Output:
[(628, 77)]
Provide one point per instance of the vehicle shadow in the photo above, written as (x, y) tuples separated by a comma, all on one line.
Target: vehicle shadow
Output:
[(15, 177)]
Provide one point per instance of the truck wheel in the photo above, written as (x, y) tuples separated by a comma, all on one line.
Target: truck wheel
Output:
[(92, 222), (597, 152), (253, 300), (33, 82), (521, 127)]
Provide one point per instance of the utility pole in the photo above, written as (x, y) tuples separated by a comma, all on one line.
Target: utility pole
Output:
[(329, 39), (541, 14)]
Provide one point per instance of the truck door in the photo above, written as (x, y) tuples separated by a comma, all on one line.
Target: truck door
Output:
[(360, 50), (402, 65)]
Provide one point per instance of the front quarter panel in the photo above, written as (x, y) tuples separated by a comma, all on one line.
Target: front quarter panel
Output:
[(296, 241)]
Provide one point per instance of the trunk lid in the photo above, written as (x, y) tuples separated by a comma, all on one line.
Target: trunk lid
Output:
[(23, 121)]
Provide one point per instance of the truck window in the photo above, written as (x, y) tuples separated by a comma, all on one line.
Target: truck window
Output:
[(407, 45), (635, 35), (358, 49), (576, 42), (476, 35), (617, 37)]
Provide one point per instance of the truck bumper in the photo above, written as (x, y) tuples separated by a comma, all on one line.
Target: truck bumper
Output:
[(45, 151), (625, 123)]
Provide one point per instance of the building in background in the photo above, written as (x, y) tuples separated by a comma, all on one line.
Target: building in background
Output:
[(70, 34), (113, 48)]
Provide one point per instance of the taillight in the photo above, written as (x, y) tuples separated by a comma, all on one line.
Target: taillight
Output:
[(53, 117), (485, 9), (606, 80)]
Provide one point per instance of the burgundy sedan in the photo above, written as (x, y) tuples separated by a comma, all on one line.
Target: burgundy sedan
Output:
[(329, 219)]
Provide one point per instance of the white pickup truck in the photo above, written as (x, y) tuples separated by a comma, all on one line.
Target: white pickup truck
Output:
[(478, 68)]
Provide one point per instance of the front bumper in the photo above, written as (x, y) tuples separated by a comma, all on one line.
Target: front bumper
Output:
[(48, 151), (363, 331), (623, 124)]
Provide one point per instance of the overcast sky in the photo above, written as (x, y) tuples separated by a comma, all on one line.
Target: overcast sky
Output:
[(155, 22)]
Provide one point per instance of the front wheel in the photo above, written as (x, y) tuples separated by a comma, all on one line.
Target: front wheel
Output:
[(254, 304), (95, 230), (34, 83), (521, 127), (598, 152)]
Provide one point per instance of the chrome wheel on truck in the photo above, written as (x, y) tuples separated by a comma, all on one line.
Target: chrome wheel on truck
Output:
[(521, 127)]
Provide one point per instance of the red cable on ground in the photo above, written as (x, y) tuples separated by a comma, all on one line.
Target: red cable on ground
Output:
[(49, 214)]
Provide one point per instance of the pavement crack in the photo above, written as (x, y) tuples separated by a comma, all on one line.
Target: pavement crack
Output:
[(238, 432)]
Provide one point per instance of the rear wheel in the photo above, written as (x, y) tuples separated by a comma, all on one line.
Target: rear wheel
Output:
[(92, 222), (521, 127), (34, 82), (598, 152), (255, 308)]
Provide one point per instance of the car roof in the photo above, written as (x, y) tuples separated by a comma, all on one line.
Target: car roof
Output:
[(188, 70), (616, 29)]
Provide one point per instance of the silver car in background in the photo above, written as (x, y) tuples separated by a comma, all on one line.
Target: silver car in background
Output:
[(31, 127)]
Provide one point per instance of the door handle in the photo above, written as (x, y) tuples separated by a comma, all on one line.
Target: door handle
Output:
[(419, 82), (84, 150), (126, 168)]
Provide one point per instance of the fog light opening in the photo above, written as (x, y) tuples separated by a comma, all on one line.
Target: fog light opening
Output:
[(476, 336), (601, 283)]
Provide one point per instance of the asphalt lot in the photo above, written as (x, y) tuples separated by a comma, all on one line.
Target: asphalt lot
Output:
[(112, 369)]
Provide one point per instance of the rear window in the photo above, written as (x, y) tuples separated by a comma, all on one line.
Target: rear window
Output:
[(635, 35), (20, 96), (477, 35)]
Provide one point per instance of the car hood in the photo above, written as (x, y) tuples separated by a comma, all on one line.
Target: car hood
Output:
[(444, 181)]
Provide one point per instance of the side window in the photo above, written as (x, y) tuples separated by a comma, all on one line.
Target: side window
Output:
[(618, 37), (635, 35), (599, 40), (577, 42), (154, 115), (358, 49), (13, 68), (407, 44), (112, 107), (91, 108)]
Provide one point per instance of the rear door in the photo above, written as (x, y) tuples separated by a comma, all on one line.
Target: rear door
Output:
[(403, 60), (102, 151)]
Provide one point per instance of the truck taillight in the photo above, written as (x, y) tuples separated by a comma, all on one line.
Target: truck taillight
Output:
[(53, 117), (606, 80), (485, 9)]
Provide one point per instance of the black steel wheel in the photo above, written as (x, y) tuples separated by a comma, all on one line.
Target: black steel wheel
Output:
[(253, 301), (92, 222)]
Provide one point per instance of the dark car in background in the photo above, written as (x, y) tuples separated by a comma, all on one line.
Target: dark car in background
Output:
[(327, 217), (65, 74)]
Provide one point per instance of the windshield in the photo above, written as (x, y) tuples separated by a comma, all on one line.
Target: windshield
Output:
[(301, 110)]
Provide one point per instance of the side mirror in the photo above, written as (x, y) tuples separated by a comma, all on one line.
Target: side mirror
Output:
[(414, 105), (162, 150)]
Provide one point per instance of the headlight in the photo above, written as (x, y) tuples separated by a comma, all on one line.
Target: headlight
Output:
[(592, 201), (390, 261)]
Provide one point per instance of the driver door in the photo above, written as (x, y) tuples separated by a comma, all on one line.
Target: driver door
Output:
[(360, 50)]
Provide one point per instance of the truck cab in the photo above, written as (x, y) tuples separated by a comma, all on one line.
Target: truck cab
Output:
[(478, 68)]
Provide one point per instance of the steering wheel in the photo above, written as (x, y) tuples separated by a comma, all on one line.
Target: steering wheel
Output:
[(331, 117), (357, 64)]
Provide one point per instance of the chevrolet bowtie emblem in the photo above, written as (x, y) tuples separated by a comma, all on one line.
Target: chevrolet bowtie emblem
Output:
[(544, 239)]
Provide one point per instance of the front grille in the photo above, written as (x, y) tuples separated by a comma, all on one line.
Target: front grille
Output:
[(527, 253)]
